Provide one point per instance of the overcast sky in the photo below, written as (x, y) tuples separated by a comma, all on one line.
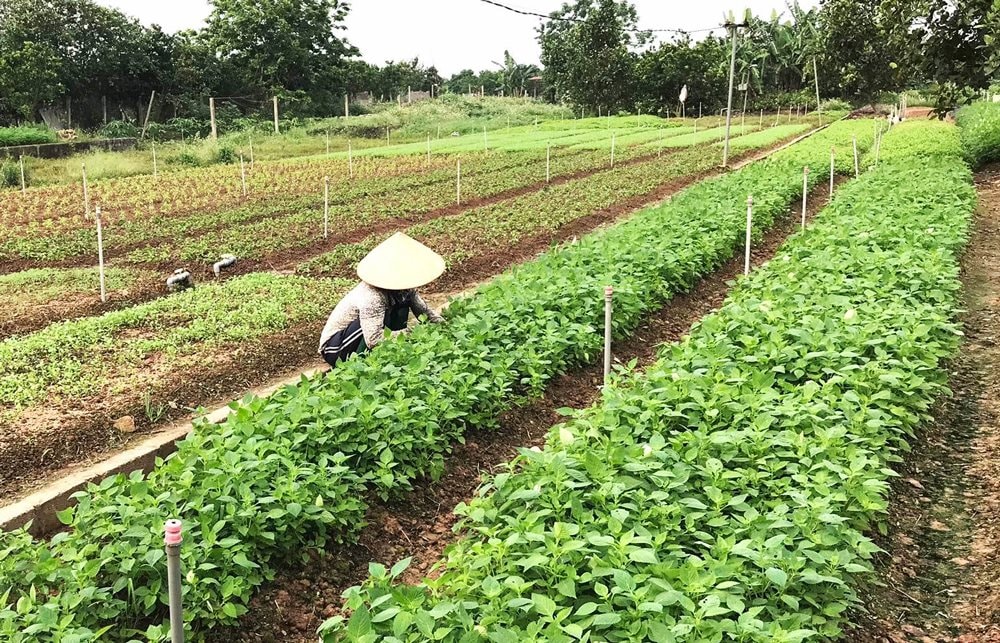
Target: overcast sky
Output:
[(455, 34)]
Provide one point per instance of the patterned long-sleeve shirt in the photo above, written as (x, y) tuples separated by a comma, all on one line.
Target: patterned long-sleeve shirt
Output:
[(368, 305)]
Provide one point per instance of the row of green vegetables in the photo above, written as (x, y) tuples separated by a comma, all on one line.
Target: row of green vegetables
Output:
[(144, 226), (724, 495), (292, 471), (85, 357)]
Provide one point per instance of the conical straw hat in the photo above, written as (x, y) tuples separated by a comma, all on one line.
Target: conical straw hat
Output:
[(400, 263)]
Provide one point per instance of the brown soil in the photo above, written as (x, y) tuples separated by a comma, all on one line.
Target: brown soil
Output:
[(75, 306), (420, 524), (38, 447), (940, 573)]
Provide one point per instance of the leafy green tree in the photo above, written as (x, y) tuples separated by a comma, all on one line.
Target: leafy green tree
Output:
[(960, 49), (870, 46), (282, 45), (589, 53), (703, 66)]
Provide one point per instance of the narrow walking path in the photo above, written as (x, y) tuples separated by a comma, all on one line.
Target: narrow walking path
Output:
[(941, 568)]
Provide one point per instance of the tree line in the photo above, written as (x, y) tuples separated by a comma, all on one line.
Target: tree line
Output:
[(594, 55)]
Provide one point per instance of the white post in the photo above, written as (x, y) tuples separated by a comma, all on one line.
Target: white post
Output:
[(805, 192), (548, 162), (24, 185), (149, 109), (86, 193), (878, 146), (172, 540), (211, 114), (833, 158), (608, 293), (276, 130), (819, 110), (612, 149), (729, 107), (243, 176), (326, 206), (857, 170), (761, 125), (746, 254), (350, 158), (100, 252), (347, 108), (458, 183), (743, 114), (154, 157)]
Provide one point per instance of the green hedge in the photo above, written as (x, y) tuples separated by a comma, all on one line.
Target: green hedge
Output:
[(726, 493), (25, 136), (291, 471), (979, 124)]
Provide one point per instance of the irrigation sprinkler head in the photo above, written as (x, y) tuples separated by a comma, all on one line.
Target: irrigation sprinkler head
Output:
[(180, 280), (173, 532), (225, 261)]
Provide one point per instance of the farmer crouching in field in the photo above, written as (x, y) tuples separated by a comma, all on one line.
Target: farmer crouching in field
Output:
[(390, 275)]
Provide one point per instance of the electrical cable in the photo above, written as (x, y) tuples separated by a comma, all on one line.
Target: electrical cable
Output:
[(567, 19)]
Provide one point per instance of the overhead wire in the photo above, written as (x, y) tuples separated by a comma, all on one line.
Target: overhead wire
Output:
[(525, 12)]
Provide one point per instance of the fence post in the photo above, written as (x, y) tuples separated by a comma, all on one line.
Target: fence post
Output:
[(326, 206), (805, 192), (172, 539), (276, 130), (878, 146), (100, 252), (761, 125), (149, 109), (347, 108), (154, 158), (608, 293), (857, 171), (746, 254), (612, 150), (24, 185), (458, 183)]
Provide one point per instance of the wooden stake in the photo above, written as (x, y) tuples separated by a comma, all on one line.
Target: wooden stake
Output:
[(746, 254), (458, 183), (833, 158), (326, 207), (243, 176), (761, 126), (805, 192), (86, 193), (104, 108), (347, 107), (211, 115), (154, 159), (100, 252), (24, 185), (276, 130), (149, 108), (548, 162), (857, 169), (612, 149)]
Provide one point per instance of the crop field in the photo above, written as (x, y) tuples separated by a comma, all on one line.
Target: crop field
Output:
[(731, 487), (70, 370)]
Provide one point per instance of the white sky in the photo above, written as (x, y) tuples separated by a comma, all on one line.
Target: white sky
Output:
[(456, 34)]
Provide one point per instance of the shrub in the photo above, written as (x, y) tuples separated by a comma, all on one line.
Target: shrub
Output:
[(119, 129), (10, 174), (979, 125), (225, 155), (25, 135)]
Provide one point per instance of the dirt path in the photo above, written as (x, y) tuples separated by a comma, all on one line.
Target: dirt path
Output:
[(941, 569), (420, 523)]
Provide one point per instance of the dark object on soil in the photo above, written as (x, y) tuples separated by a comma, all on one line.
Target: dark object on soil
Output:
[(180, 280)]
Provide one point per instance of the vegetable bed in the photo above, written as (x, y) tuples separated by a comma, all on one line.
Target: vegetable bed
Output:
[(725, 494), (292, 471)]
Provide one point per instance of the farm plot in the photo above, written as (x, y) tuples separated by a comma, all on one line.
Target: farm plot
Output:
[(479, 244), (726, 493), (297, 465)]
